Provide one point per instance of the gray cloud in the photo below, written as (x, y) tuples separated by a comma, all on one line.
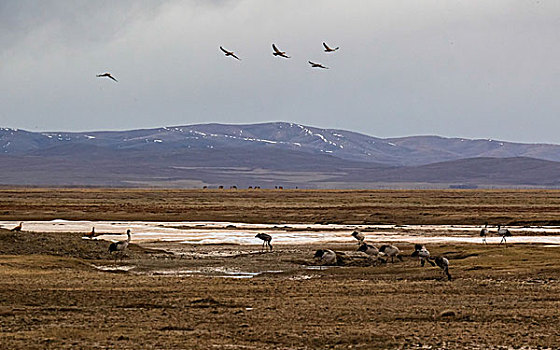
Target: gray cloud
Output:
[(454, 68)]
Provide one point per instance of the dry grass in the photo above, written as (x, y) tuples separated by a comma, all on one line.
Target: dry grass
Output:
[(300, 206), (498, 297), (52, 296)]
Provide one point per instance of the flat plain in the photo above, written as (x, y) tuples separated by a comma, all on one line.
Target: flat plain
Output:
[(58, 290)]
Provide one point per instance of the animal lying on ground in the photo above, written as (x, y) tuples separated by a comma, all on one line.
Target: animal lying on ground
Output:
[(326, 257)]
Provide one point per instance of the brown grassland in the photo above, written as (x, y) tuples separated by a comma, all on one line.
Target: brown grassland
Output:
[(53, 295), (515, 207)]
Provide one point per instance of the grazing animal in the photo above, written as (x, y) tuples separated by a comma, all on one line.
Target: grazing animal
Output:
[(328, 49), (371, 251), (278, 52), (504, 232), (390, 251), (326, 257), (17, 228), (229, 53), (443, 264), (266, 240), (484, 233), (359, 236), (423, 254), (119, 246), (317, 65), (106, 75), (91, 234)]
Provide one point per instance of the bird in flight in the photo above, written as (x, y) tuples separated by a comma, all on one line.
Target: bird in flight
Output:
[(106, 75), (278, 52), (328, 49), (229, 53), (317, 65)]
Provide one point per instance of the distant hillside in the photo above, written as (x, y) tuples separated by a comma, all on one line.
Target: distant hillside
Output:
[(268, 155), (404, 151)]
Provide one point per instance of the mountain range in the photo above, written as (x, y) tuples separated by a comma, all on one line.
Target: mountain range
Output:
[(269, 155)]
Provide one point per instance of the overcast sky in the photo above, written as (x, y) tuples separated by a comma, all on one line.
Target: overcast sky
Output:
[(468, 68)]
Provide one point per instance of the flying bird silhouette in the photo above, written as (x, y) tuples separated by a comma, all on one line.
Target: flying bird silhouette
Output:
[(317, 65), (229, 53), (278, 52), (106, 75), (328, 49)]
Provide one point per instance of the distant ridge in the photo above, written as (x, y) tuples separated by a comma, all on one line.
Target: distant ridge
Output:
[(269, 154)]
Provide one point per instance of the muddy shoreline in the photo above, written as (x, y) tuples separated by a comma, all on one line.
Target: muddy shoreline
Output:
[(54, 295)]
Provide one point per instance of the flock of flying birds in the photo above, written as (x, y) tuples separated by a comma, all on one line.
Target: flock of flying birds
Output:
[(276, 52)]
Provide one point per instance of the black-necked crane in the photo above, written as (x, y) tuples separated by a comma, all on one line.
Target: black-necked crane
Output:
[(328, 49), (484, 233), (317, 65), (390, 251), (359, 236), (278, 52), (17, 228), (371, 251), (326, 257), (443, 264), (423, 254), (504, 232), (106, 75), (266, 238), (229, 53), (119, 246)]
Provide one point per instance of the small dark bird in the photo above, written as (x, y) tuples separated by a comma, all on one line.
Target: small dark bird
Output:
[(443, 264), (328, 49), (106, 75), (266, 240), (484, 233), (229, 53), (90, 234), (317, 65), (119, 246), (278, 52), (17, 228)]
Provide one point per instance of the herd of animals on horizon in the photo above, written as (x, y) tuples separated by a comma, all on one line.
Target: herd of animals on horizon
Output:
[(275, 52), (328, 257)]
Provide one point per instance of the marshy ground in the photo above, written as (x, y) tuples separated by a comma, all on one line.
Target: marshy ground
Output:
[(59, 291)]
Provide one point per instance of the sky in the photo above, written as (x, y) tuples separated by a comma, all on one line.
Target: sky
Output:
[(457, 68)]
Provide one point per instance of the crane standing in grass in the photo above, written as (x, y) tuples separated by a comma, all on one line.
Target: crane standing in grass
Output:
[(423, 254), (504, 232), (391, 251), (359, 236), (119, 246), (443, 264), (484, 233), (266, 238)]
